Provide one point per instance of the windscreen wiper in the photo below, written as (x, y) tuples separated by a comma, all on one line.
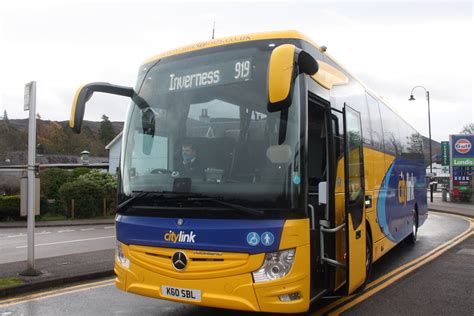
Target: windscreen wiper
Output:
[(139, 194), (190, 197), (238, 207)]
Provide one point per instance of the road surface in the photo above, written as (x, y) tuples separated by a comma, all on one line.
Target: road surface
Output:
[(438, 234), (55, 241)]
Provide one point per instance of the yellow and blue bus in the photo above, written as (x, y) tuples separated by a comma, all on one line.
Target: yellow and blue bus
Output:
[(258, 174)]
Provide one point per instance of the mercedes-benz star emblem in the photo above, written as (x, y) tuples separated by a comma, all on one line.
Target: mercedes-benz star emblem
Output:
[(179, 260)]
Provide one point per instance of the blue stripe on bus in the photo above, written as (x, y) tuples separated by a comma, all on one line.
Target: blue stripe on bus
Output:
[(226, 235), (392, 214)]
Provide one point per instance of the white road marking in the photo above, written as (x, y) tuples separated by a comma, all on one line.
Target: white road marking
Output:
[(67, 241), (86, 229), (13, 236), (109, 227), (43, 233), (66, 231)]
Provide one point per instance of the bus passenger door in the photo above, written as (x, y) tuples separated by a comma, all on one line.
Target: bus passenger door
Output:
[(354, 199)]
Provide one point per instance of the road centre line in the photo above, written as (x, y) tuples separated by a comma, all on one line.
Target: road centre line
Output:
[(66, 242), (109, 227), (420, 260), (86, 229), (19, 235), (54, 293), (66, 231)]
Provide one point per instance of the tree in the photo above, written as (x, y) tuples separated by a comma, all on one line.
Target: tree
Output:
[(468, 129), (5, 116), (106, 130), (52, 180)]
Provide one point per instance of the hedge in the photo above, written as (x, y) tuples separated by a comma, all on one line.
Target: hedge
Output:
[(87, 195), (10, 207)]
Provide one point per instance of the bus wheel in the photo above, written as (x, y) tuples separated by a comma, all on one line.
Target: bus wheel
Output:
[(414, 230)]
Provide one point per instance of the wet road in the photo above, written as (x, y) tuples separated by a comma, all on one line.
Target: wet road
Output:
[(104, 299), (55, 241)]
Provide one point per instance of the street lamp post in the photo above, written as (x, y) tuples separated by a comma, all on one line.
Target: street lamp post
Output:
[(412, 98)]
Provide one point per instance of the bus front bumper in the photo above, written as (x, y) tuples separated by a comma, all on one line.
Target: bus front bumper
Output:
[(237, 291)]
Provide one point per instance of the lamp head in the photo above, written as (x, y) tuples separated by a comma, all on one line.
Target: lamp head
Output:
[(412, 98)]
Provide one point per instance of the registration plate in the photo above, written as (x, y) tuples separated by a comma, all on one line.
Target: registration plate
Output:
[(176, 292)]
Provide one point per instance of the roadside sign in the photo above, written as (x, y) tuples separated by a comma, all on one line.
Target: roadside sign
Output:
[(445, 153), (27, 95), (24, 197)]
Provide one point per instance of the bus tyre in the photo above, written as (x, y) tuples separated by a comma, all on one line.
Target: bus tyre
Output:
[(414, 230)]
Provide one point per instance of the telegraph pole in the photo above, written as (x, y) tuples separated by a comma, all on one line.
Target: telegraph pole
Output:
[(30, 105)]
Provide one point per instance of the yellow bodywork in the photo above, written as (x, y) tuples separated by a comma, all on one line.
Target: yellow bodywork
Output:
[(72, 118), (280, 72), (224, 279)]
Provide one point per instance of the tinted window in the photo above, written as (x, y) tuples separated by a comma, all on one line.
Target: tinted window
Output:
[(391, 130), (376, 123)]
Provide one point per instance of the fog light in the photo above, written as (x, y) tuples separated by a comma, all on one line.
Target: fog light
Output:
[(290, 297)]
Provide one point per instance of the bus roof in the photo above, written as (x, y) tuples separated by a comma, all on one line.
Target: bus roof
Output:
[(265, 36), (232, 40)]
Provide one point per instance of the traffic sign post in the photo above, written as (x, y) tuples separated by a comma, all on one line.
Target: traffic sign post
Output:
[(30, 105)]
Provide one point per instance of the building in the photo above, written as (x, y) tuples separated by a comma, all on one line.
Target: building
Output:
[(114, 148)]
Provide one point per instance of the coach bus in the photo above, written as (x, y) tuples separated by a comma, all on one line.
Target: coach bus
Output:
[(258, 174)]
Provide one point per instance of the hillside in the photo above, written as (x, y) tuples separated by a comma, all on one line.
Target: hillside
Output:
[(53, 138)]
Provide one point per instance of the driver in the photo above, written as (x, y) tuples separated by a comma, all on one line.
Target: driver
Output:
[(191, 165)]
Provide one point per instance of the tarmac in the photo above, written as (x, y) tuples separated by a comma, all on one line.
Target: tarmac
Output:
[(68, 269)]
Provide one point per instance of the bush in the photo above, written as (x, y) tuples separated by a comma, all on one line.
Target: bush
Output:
[(10, 207), (104, 179), (77, 172), (108, 182), (52, 207), (87, 197), (51, 180)]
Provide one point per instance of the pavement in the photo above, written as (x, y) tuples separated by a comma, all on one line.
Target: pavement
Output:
[(465, 209), (85, 266), (444, 286)]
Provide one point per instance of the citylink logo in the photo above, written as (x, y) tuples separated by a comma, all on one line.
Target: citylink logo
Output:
[(462, 146), (406, 188), (180, 237)]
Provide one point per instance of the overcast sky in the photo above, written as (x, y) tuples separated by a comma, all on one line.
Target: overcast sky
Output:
[(391, 46)]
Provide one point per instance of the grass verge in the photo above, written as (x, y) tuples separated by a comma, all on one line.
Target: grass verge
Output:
[(4, 282)]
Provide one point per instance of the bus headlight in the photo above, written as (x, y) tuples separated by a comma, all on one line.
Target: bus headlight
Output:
[(276, 265), (121, 257)]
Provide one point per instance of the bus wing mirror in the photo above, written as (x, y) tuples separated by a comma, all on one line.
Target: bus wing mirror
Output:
[(286, 62), (84, 94)]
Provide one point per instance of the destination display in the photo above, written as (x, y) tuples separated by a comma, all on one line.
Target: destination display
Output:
[(223, 73)]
